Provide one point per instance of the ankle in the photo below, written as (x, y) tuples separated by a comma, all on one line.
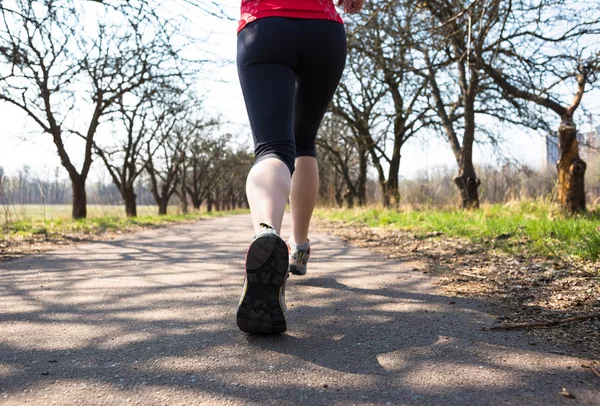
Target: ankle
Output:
[(294, 245), (265, 228)]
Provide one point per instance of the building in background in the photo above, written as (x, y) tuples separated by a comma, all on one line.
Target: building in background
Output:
[(589, 147), (589, 144)]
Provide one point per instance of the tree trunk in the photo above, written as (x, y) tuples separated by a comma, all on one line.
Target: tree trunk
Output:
[(339, 198), (196, 203), (184, 204), (468, 184), (162, 207), (467, 180), (361, 186), (79, 199), (218, 201), (130, 202), (392, 185), (209, 204), (571, 169), (387, 203), (183, 191), (393, 192), (349, 197)]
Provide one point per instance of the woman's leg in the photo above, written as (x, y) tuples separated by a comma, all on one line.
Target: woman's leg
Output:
[(303, 197), (324, 56), (268, 188), (266, 62)]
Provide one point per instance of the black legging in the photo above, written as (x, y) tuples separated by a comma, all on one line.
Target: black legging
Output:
[(289, 70)]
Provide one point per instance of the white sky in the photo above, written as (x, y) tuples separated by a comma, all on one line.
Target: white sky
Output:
[(22, 144)]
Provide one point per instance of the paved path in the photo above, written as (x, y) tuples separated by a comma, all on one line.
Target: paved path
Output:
[(149, 319)]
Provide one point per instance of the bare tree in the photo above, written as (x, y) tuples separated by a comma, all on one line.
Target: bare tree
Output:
[(446, 35), (145, 123), (194, 164), (163, 170), (540, 50), (358, 103), (208, 166), (236, 165), (198, 164), (381, 97), (386, 39), (347, 157), (67, 80), (456, 87), (168, 168)]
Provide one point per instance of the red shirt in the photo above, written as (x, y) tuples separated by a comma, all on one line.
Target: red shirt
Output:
[(314, 9)]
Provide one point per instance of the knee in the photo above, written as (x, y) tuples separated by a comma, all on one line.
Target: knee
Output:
[(285, 152), (306, 150)]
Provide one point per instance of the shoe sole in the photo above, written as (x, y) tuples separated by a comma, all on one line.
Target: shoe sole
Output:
[(295, 271), (260, 310)]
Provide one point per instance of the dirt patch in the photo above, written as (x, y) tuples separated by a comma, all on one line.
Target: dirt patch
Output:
[(16, 246), (524, 288)]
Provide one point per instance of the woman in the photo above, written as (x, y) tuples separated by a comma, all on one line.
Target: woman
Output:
[(291, 54)]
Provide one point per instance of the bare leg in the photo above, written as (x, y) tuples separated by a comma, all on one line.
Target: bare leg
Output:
[(303, 197), (268, 188)]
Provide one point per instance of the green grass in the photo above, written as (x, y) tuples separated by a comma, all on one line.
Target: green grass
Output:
[(539, 227), (54, 221)]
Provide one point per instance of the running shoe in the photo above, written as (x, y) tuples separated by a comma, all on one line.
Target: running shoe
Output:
[(261, 309), (299, 255)]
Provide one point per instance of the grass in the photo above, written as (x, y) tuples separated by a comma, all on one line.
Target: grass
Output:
[(12, 213), (25, 221), (539, 227), (536, 226)]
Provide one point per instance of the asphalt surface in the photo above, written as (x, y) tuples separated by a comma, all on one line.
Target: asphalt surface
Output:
[(150, 319)]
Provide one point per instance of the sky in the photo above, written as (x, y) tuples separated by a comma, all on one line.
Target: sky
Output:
[(22, 144)]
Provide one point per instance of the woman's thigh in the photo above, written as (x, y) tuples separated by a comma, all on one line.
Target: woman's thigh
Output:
[(266, 67), (322, 61)]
